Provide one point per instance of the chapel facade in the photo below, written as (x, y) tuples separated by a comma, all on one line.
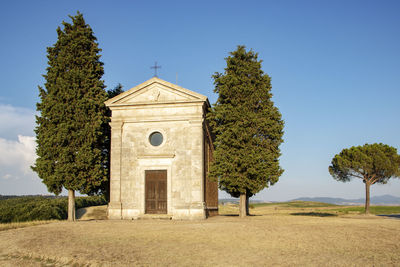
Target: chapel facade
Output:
[(161, 147)]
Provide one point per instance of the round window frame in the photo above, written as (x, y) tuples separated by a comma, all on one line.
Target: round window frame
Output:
[(156, 132)]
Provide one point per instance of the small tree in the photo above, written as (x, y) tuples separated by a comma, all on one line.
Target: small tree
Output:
[(71, 130), (248, 129), (105, 189), (375, 163), (115, 91)]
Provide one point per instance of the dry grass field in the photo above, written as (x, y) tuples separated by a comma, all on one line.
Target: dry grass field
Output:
[(274, 236)]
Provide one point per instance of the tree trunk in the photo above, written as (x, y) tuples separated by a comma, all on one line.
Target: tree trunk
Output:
[(247, 205), (71, 205), (242, 205), (367, 185)]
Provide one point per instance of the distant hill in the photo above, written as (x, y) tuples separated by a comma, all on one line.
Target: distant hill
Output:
[(378, 200), (3, 197), (6, 197)]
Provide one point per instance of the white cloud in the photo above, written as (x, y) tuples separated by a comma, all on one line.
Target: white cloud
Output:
[(16, 121), (16, 175), (17, 152), (18, 155)]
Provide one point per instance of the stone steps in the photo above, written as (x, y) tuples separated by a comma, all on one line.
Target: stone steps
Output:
[(155, 217)]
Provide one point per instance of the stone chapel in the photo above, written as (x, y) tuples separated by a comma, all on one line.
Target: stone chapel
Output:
[(161, 148)]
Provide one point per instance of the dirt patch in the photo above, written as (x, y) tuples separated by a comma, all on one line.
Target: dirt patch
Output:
[(92, 213), (267, 239)]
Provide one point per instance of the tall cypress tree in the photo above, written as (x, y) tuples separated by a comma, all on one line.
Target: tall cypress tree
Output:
[(248, 128), (71, 130)]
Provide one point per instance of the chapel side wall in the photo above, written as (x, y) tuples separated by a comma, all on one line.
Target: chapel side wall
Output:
[(211, 187)]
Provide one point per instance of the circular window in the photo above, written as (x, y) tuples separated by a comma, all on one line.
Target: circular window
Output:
[(156, 138)]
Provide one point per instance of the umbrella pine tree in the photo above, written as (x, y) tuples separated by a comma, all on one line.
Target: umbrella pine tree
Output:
[(372, 163)]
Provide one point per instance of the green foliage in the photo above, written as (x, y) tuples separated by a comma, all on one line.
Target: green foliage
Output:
[(115, 91), (247, 125), (31, 208), (71, 130), (374, 163)]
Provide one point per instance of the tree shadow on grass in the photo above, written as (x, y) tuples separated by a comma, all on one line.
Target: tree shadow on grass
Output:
[(80, 212), (315, 214), (237, 215), (396, 216)]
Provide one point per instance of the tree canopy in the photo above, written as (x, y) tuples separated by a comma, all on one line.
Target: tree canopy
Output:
[(373, 163), (247, 126), (72, 124), (115, 91)]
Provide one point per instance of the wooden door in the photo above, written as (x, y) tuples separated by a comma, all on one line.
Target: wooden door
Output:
[(156, 192)]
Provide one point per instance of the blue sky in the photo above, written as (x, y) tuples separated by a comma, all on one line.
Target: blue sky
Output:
[(335, 68)]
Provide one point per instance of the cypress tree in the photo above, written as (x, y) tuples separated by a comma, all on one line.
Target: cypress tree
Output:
[(71, 130), (248, 128)]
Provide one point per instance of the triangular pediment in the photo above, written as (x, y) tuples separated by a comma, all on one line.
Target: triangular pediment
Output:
[(155, 91)]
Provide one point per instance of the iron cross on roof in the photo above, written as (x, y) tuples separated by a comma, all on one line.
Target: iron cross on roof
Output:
[(155, 67)]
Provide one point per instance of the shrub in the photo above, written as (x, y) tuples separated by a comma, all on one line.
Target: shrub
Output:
[(31, 208)]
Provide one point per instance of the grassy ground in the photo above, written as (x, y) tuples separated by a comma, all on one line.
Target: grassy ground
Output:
[(295, 204), (274, 235), (8, 226), (377, 210), (320, 209)]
